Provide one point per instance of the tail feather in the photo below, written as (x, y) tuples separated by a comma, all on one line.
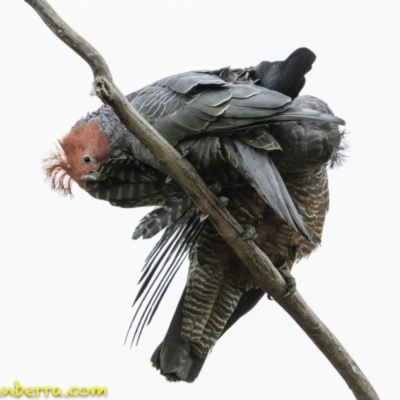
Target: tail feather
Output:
[(208, 302), (176, 359), (173, 357), (247, 301), (287, 76)]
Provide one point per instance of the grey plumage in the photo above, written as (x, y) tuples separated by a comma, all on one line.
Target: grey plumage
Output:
[(214, 106), (209, 105), (260, 148)]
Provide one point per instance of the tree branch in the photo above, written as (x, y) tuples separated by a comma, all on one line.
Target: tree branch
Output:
[(261, 268)]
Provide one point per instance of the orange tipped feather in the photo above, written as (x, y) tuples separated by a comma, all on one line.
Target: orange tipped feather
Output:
[(57, 170)]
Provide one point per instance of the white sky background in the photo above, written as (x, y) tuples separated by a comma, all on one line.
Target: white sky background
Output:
[(69, 268)]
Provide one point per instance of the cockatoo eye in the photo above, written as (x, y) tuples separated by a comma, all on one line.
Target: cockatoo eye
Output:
[(87, 159)]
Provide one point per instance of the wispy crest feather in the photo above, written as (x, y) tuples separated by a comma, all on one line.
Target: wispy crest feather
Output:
[(57, 170)]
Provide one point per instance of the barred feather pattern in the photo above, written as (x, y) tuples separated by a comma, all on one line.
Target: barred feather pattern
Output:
[(127, 183), (217, 279), (161, 218), (256, 144), (224, 305), (310, 193), (161, 266), (213, 291), (211, 294)]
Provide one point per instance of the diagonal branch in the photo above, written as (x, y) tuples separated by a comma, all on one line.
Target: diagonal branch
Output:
[(261, 268)]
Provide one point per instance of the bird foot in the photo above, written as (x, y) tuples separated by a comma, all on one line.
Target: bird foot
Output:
[(216, 187), (223, 201), (203, 217), (249, 232), (185, 153), (289, 279)]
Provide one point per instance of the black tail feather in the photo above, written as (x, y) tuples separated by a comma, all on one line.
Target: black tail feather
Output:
[(287, 76), (173, 357)]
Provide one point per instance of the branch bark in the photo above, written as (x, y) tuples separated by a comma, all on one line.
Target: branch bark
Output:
[(263, 271)]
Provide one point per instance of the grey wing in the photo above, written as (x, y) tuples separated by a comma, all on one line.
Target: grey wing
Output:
[(173, 107), (185, 105), (259, 170), (191, 103)]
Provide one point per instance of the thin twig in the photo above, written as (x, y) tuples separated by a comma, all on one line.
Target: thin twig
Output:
[(261, 268)]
